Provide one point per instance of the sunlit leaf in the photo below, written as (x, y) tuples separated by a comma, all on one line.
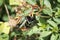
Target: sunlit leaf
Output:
[(57, 20), (58, 12), (1, 26), (58, 1), (45, 33), (1, 38), (15, 2), (47, 11), (52, 23), (54, 37), (6, 28), (47, 3)]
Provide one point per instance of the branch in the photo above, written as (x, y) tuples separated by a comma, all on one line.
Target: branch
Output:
[(45, 16), (7, 10), (23, 23)]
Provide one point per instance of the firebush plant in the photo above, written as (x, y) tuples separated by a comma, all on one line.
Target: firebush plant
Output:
[(29, 19)]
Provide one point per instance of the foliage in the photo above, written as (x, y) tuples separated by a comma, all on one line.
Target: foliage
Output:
[(29, 19)]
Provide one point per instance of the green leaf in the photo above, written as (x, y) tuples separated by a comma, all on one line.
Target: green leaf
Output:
[(40, 38), (1, 2), (1, 27), (52, 23), (13, 34), (4, 28), (54, 37), (32, 2), (45, 33), (15, 2), (34, 30), (58, 12), (42, 3), (47, 11), (58, 1), (5, 18), (38, 17), (59, 37), (48, 27), (1, 38), (4, 37), (57, 20), (47, 4), (26, 12), (42, 20)]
